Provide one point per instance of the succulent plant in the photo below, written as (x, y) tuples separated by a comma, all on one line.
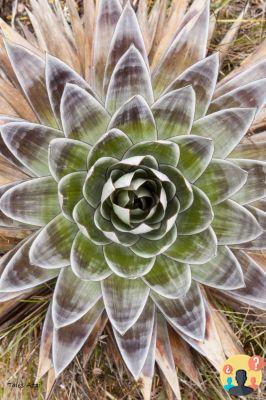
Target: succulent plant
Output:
[(134, 184)]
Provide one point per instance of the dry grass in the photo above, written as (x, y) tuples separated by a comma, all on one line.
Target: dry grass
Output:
[(102, 379)]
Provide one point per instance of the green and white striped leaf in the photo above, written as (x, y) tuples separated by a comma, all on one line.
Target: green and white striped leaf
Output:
[(174, 112), (221, 180), (130, 77), (225, 128), (127, 32), (51, 248), (87, 260), (168, 278), (202, 76), (124, 301), (194, 249), (68, 340), (125, 263), (58, 74), (67, 156), (135, 343), (83, 117), (106, 20), (19, 274), (197, 217), (186, 314), (188, 47), (234, 224), (254, 188), (29, 143), (135, 119), (222, 272), (32, 202), (72, 298), (195, 155), (30, 72)]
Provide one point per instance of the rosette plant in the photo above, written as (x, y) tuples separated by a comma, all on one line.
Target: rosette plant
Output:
[(133, 178)]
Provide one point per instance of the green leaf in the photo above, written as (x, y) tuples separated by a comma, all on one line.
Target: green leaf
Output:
[(87, 260), (174, 113), (195, 155), (70, 192), (163, 151), (112, 144), (67, 156), (221, 180), (125, 263), (135, 119), (194, 249), (234, 224), (168, 278)]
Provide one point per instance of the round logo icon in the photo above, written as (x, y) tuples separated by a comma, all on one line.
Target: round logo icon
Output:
[(241, 375)]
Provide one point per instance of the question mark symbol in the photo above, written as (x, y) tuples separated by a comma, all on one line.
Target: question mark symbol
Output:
[(256, 363)]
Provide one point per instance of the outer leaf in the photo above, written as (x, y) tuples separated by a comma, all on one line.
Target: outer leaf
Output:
[(113, 143), (127, 32), (68, 340), (221, 180), (29, 144), (254, 188), (45, 352), (174, 112), (5, 221), (19, 274), (107, 18), (58, 74), (234, 224), (222, 272), (254, 150), (251, 95), (125, 263), (32, 202), (70, 192), (29, 69), (197, 217), (202, 76), (87, 260), (168, 278), (185, 50), (186, 314), (129, 78), (195, 155), (135, 119), (67, 156), (194, 249), (134, 344), (226, 128), (124, 301), (73, 298), (51, 248), (83, 117)]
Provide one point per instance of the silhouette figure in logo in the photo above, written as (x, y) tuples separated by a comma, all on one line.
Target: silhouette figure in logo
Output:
[(229, 384), (241, 389), (253, 383)]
